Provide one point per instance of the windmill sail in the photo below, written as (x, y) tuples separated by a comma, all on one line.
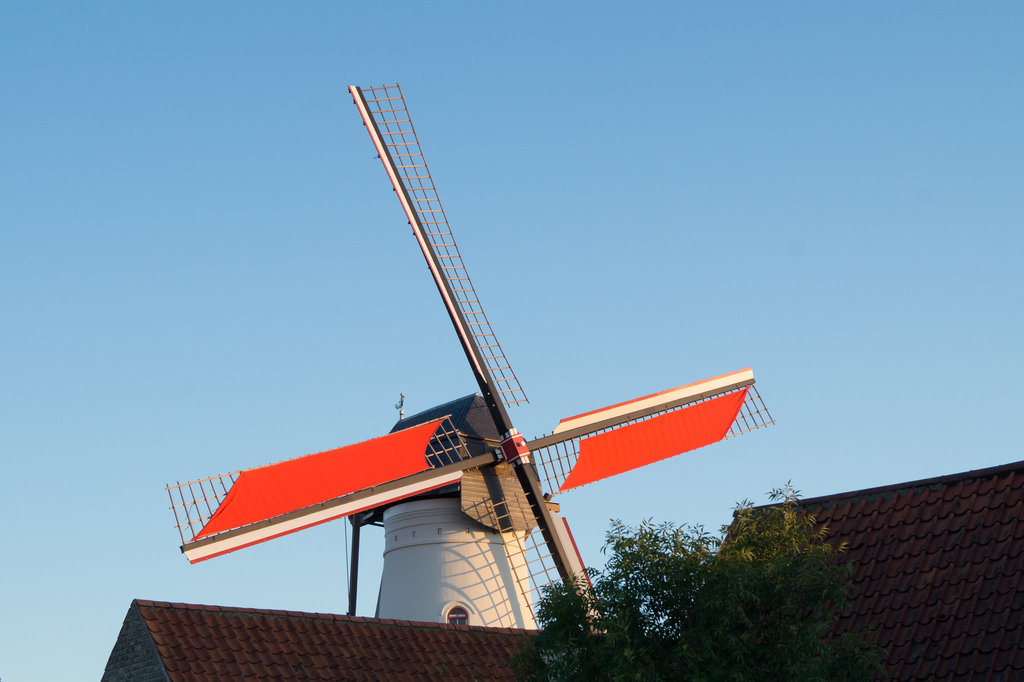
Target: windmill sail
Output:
[(533, 565), (602, 443), (387, 120), (267, 502)]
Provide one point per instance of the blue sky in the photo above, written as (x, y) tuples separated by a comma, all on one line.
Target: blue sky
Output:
[(203, 267)]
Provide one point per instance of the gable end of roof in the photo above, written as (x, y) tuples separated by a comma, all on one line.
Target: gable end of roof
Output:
[(135, 657)]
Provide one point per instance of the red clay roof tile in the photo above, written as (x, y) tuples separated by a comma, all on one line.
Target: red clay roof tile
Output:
[(938, 577), (198, 642), (937, 571)]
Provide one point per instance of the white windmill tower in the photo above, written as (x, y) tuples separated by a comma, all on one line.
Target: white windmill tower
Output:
[(471, 535)]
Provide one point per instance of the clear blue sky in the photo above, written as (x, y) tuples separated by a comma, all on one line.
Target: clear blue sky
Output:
[(203, 267)]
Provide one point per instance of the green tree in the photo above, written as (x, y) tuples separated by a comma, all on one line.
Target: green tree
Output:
[(755, 602)]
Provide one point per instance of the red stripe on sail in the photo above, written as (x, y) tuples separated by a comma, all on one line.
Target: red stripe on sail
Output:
[(265, 492), (349, 512), (645, 442)]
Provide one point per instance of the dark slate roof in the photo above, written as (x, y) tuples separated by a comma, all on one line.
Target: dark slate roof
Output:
[(186, 642), (469, 414), (937, 572)]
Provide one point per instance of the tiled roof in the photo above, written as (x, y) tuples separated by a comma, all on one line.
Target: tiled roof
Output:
[(938, 572), (938, 575), (217, 643)]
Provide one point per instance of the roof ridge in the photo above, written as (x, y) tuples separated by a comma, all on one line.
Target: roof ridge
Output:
[(309, 615), (462, 403), (945, 479)]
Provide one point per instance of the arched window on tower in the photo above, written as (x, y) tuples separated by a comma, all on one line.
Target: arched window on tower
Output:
[(457, 616)]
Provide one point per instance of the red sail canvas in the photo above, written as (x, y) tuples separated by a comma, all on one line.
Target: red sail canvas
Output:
[(276, 489), (651, 440)]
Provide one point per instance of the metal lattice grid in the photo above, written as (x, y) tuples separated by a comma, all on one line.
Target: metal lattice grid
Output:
[(195, 502), (533, 566), (447, 445), (386, 105), (530, 558), (191, 502), (555, 461)]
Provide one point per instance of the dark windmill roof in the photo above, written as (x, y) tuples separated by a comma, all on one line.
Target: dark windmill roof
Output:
[(938, 572), (479, 489), (185, 642), (469, 415)]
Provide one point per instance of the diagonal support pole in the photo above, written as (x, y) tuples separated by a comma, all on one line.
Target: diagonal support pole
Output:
[(353, 574)]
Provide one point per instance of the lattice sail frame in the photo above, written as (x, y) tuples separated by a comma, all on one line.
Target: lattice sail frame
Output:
[(529, 555), (555, 461), (532, 564), (195, 502), (386, 105), (191, 502)]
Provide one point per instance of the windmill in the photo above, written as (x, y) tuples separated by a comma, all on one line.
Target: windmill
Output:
[(461, 468)]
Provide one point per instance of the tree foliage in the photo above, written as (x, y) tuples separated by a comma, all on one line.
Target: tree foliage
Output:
[(755, 602)]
